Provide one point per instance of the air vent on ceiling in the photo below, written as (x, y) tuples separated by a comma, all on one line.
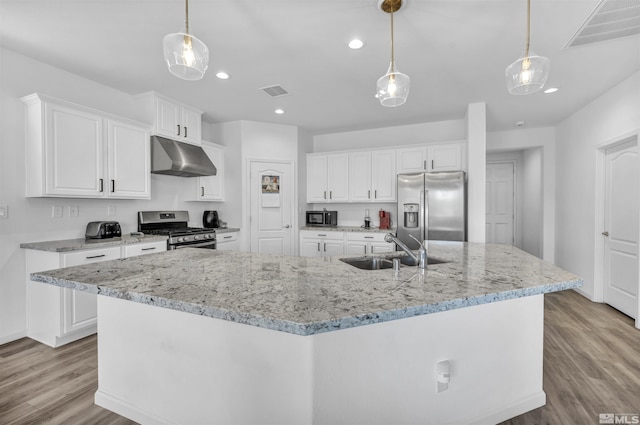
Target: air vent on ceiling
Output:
[(275, 91), (609, 20)]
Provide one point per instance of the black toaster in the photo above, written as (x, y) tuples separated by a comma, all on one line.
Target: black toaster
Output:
[(103, 230)]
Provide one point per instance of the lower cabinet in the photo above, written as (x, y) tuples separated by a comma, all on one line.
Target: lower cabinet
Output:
[(360, 243), (321, 243), (57, 316), (227, 241)]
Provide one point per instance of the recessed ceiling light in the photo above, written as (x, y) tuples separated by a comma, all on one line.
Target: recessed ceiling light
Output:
[(222, 75), (551, 90), (356, 44), (279, 111)]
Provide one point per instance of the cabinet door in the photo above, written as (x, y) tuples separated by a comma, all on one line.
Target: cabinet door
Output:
[(80, 308), (310, 247), (191, 126), (211, 188), (168, 118), (360, 177), (74, 152), (330, 248), (383, 175), (355, 248), (338, 177), (128, 161), (445, 157), (227, 241), (317, 178), (411, 160)]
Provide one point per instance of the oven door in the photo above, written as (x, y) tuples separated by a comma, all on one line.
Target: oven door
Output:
[(205, 245)]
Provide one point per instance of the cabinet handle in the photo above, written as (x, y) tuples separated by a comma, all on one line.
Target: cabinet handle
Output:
[(425, 164), (227, 237), (375, 194), (325, 194), (148, 249), (96, 256), (365, 250), (432, 164), (318, 246), (185, 131), (178, 129), (368, 194), (331, 194), (368, 237), (113, 186), (320, 234), (101, 185), (201, 190), (325, 247)]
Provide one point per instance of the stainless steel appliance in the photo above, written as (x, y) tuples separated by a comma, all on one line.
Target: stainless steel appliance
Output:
[(103, 230), (179, 159), (432, 206), (175, 225), (210, 219), (322, 218)]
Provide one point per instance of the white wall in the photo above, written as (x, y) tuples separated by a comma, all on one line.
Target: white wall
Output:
[(477, 165), (30, 219), (543, 139), (532, 208), (612, 115)]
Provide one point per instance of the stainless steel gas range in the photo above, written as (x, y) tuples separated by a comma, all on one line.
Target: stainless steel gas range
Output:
[(175, 225)]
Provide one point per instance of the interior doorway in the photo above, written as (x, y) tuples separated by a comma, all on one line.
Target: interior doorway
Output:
[(500, 204)]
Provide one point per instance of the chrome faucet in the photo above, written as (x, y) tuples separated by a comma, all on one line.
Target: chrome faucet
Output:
[(420, 259)]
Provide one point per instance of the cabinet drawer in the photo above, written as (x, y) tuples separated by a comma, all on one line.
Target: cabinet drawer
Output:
[(90, 256), (226, 237), (144, 248), (365, 237), (322, 234)]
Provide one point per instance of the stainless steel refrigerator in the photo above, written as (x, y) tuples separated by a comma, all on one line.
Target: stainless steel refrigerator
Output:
[(432, 206)]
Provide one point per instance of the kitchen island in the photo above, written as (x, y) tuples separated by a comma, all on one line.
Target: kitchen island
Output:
[(202, 336)]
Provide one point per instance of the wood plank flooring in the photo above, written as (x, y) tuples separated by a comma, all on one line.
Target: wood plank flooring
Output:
[(591, 366)]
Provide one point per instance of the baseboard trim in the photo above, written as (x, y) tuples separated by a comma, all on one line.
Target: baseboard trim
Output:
[(13, 337), (125, 409), (514, 409)]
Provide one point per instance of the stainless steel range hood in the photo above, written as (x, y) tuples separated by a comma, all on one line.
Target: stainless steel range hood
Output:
[(179, 159)]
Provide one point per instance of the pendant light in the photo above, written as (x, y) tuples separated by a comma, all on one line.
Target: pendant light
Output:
[(529, 73), (186, 56), (393, 87)]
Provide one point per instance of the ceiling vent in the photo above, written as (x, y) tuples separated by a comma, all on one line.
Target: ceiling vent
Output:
[(610, 19), (275, 91)]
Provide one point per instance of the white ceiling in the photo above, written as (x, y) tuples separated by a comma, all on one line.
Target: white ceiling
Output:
[(455, 52)]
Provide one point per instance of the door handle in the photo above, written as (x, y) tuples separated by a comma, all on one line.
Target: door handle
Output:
[(605, 233), (286, 226)]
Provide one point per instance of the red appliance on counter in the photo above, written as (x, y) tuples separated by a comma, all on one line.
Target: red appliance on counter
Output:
[(385, 219)]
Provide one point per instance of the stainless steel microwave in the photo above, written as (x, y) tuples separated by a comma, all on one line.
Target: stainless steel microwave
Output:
[(322, 218)]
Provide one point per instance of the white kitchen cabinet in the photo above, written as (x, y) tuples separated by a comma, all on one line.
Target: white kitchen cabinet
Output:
[(431, 158), (173, 119), (321, 243), (363, 243), (327, 178), (57, 316), (208, 188), (78, 152), (372, 176), (227, 241)]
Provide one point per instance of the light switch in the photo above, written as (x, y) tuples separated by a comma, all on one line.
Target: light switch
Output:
[(74, 211), (4, 211), (56, 211)]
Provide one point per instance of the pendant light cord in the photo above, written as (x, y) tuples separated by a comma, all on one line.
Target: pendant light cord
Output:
[(392, 55), (186, 14), (528, 27)]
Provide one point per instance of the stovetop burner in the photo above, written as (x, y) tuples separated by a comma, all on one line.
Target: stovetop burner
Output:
[(174, 224)]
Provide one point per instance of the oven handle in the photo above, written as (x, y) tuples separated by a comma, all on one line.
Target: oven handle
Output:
[(196, 245)]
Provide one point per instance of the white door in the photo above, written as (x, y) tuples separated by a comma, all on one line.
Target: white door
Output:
[(500, 203), (272, 209), (621, 228)]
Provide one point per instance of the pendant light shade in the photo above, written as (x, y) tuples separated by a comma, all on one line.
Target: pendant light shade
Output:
[(393, 87), (186, 56), (529, 73)]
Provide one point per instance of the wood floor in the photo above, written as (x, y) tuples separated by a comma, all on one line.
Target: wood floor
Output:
[(591, 366)]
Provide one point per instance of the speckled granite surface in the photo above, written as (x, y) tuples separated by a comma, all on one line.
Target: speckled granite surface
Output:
[(307, 296), (226, 230), (348, 229), (78, 244)]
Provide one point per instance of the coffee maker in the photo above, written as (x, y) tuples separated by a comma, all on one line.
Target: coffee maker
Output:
[(385, 219)]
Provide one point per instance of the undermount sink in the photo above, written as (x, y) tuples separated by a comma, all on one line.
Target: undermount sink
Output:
[(379, 263)]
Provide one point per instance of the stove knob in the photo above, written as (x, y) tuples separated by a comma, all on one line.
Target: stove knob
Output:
[(195, 238), (210, 236), (180, 239)]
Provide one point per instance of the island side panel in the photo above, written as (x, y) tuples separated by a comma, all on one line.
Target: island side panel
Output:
[(157, 365), (386, 373)]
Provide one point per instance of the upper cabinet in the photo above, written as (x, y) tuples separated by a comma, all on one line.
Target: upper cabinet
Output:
[(78, 152), (327, 178), (173, 119), (372, 176), (208, 188), (431, 158)]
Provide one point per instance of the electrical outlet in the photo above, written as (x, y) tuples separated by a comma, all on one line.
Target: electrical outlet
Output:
[(74, 211), (111, 210), (4, 211), (56, 211)]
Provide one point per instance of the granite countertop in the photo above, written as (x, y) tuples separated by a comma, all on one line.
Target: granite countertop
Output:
[(348, 229), (226, 229), (67, 245), (305, 296)]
